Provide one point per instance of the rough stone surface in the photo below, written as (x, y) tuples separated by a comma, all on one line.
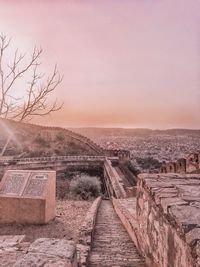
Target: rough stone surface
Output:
[(12, 248), (27, 197), (46, 252), (112, 245), (168, 214)]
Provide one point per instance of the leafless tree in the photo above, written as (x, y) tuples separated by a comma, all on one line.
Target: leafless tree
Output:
[(35, 101)]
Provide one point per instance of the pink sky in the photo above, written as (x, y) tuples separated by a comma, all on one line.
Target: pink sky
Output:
[(126, 63)]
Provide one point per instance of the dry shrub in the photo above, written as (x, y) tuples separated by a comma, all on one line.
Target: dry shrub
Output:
[(85, 186)]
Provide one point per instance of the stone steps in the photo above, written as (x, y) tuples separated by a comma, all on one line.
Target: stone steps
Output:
[(112, 246)]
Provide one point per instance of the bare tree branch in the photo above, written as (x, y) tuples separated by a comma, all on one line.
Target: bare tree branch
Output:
[(38, 91), (35, 101)]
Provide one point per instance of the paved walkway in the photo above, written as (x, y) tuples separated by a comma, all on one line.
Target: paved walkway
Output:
[(112, 246)]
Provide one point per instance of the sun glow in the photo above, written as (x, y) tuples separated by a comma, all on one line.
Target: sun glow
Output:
[(10, 135), (124, 62)]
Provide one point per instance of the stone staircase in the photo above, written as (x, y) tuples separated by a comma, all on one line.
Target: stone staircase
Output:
[(112, 246)]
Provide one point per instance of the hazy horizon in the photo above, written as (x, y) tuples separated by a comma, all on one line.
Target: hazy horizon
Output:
[(129, 64), (110, 127)]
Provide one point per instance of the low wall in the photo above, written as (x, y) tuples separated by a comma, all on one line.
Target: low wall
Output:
[(86, 233), (164, 219), (190, 164), (115, 183), (126, 211), (168, 216)]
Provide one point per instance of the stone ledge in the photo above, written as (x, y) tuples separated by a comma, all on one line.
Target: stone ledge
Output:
[(177, 196), (115, 180), (126, 211), (168, 213), (86, 233)]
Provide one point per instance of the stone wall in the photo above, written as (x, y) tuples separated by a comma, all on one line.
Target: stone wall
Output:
[(181, 165), (168, 217), (120, 153), (171, 167), (126, 210), (190, 164), (114, 182), (86, 233)]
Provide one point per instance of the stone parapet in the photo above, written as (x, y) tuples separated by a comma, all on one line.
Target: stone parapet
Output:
[(86, 232), (190, 164), (168, 217), (126, 211), (115, 181)]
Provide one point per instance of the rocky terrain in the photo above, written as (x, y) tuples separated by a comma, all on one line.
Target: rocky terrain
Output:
[(69, 218)]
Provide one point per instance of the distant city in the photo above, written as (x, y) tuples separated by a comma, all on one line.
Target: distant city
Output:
[(163, 145)]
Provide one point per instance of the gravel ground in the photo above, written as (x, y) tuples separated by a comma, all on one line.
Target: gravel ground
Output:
[(70, 216)]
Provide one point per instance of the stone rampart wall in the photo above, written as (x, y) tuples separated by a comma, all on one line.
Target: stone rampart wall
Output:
[(190, 164), (168, 216), (164, 219)]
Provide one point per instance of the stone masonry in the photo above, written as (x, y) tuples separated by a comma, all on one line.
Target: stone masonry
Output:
[(168, 217), (190, 164)]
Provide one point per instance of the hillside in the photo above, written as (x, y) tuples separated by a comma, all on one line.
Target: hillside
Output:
[(31, 140)]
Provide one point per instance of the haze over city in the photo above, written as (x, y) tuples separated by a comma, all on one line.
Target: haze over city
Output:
[(125, 63)]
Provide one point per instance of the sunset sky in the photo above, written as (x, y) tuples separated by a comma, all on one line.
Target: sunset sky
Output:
[(126, 63)]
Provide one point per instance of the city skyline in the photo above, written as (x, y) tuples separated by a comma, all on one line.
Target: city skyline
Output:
[(125, 64)]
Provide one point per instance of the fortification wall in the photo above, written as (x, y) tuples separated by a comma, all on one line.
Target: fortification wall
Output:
[(163, 219), (190, 164), (168, 215)]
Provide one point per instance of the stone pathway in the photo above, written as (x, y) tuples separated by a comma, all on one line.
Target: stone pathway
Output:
[(112, 246)]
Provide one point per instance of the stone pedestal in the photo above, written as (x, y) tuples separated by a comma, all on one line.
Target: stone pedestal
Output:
[(27, 197)]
